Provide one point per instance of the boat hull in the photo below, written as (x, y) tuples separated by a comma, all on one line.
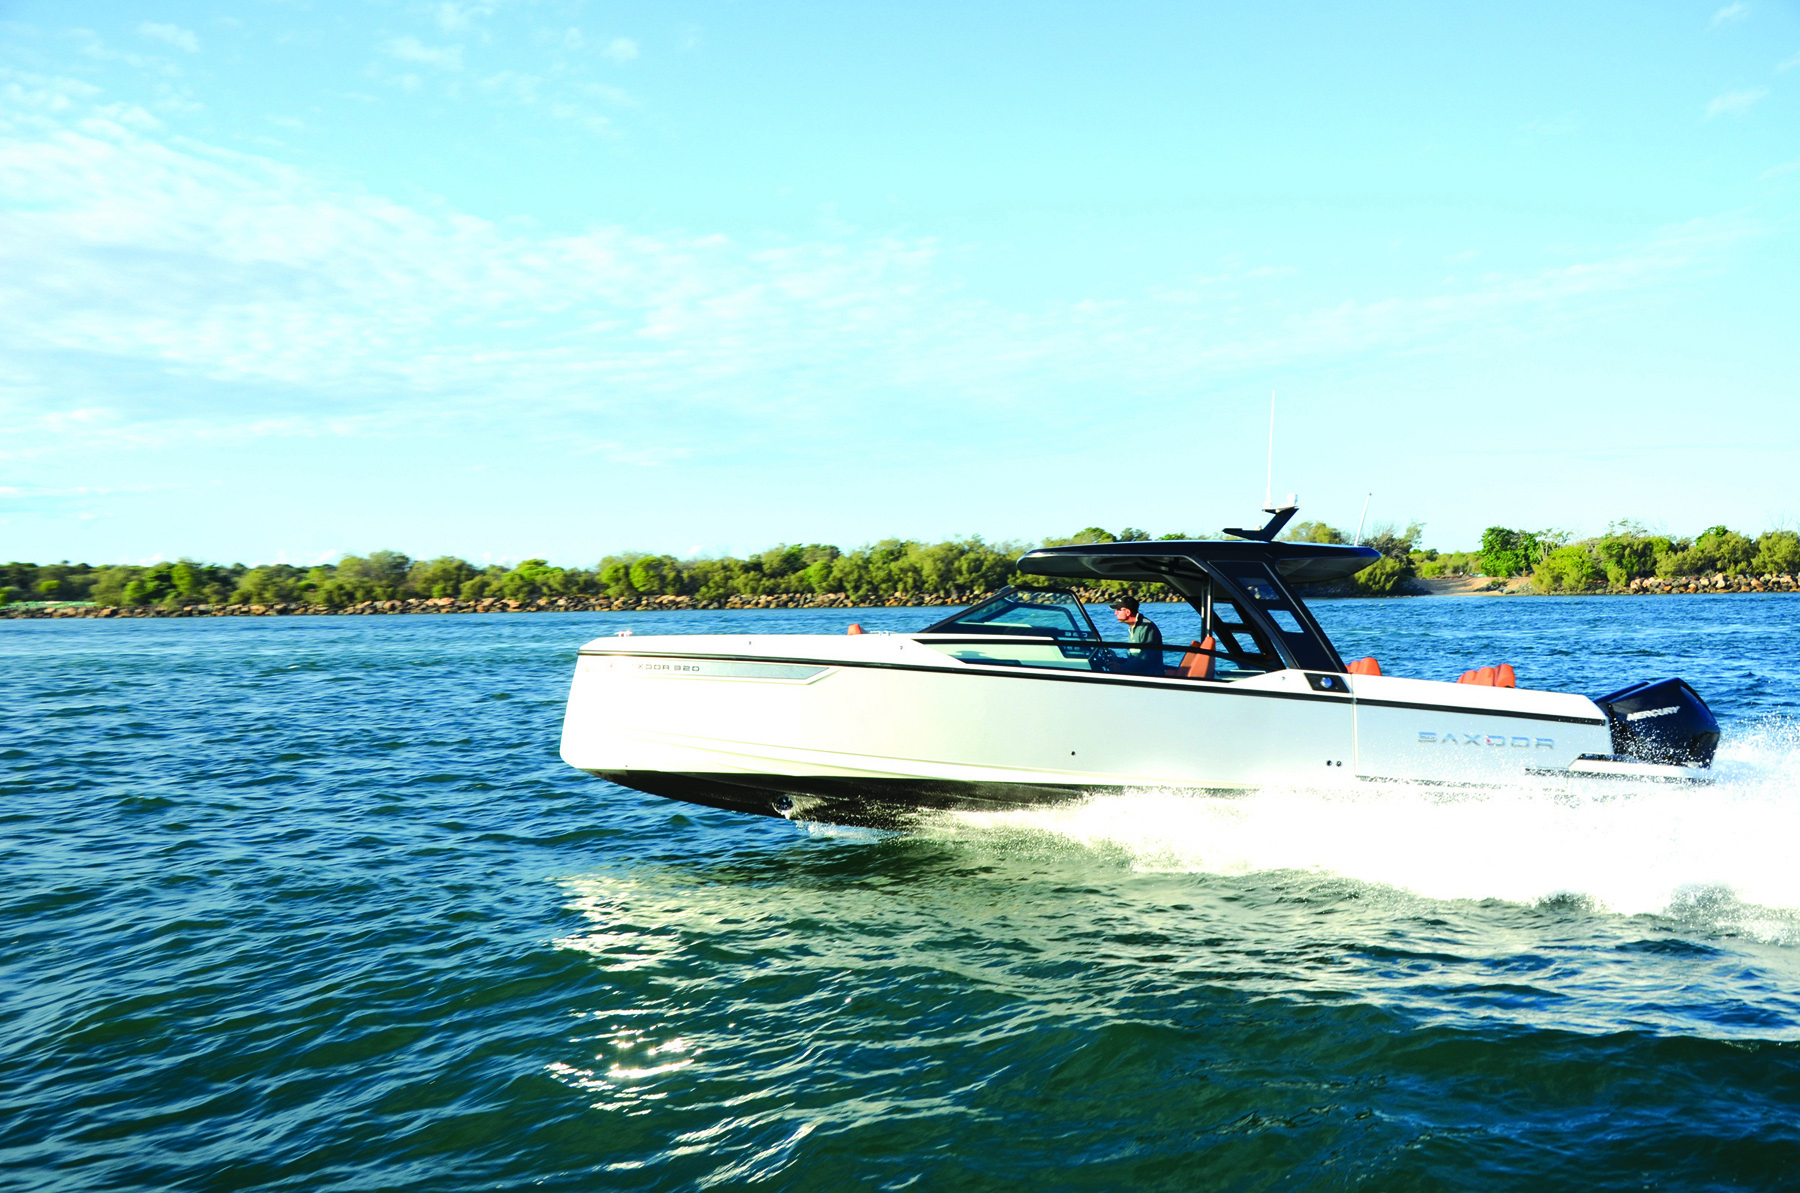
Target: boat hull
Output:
[(875, 730)]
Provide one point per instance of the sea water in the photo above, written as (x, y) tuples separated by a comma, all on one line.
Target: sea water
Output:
[(312, 904)]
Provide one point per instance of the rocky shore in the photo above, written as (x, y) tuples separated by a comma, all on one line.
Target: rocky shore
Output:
[(574, 604), (1649, 586), (1721, 583), (828, 600)]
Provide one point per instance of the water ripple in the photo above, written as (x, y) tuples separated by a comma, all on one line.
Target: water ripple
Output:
[(312, 904)]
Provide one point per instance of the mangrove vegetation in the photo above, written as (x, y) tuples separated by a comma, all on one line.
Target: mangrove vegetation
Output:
[(1553, 561)]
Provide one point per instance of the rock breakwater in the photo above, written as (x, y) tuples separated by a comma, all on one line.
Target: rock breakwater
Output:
[(1653, 585), (562, 604)]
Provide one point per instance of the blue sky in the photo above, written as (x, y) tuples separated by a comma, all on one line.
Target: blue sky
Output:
[(280, 280)]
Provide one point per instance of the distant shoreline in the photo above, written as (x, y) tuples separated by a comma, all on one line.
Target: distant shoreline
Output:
[(451, 605), (1651, 586), (1418, 587)]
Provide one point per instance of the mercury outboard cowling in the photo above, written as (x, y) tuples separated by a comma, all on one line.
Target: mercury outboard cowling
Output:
[(1661, 720)]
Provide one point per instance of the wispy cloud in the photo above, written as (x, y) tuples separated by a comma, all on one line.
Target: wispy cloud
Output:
[(1735, 103), (411, 49), (530, 91), (620, 49), (1790, 64), (91, 46), (1783, 168), (216, 296), (173, 35), (1730, 15), (460, 18)]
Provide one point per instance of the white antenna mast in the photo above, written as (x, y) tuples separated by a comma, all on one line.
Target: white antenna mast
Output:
[(1282, 513), (1269, 486), (1361, 520)]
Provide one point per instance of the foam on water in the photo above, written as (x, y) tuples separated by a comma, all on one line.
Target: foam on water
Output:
[(1626, 847)]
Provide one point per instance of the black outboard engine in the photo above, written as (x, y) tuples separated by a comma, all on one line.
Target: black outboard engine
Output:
[(1661, 720)]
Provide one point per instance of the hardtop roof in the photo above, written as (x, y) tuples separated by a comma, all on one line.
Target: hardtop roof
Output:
[(1152, 561)]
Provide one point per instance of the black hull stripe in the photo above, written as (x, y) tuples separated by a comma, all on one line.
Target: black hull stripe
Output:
[(1194, 686), (862, 802), (902, 803)]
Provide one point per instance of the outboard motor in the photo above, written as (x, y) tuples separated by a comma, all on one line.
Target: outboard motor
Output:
[(1661, 720)]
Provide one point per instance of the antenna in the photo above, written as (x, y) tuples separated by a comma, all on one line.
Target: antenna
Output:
[(1361, 520), (1282, 513), (1269, 486)]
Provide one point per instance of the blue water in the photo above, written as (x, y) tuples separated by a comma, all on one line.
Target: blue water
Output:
[(312, 904)]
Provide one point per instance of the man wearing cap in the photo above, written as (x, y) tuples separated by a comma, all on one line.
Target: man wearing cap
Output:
[(1144, 631)]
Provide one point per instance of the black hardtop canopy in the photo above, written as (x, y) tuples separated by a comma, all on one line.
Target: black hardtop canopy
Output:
[(1148, 562), (1253, 574)]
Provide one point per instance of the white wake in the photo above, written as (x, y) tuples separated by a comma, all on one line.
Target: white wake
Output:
[(1626, 847)]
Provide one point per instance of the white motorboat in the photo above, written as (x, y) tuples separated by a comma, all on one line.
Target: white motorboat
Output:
[(1021, 700)]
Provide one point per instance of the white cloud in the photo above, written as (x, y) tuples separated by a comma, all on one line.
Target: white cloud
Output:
[(620, 49), (1790, 64), (173, 35), (616, 96), (195, 293), (1783, 168), (520, 88), (528, 90), (594, 122), (460, 18), (1730, 14), (90, 46), (411, 49), (1735, 103)]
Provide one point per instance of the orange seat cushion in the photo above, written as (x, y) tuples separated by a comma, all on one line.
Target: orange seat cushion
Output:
[(1196, 664)]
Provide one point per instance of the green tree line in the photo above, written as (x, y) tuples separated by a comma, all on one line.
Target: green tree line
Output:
[(950, 568), (1627, 552), (1557, 562), (955, 567)]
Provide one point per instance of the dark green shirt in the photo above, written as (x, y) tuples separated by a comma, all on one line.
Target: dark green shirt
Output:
[(1145, 631)]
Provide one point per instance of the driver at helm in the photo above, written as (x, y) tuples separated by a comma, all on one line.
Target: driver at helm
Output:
[(1143, 631)]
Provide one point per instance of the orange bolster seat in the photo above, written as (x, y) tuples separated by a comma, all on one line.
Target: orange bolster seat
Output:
[(1196, 663), (1366, 666), (1491, 677)]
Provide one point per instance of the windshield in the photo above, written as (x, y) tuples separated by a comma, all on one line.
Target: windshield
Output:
[(1041, 612)]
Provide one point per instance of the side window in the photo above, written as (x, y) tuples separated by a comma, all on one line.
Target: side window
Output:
[(1238, 637), (1302, 644), (1261, 589)]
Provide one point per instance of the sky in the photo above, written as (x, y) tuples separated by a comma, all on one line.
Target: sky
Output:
[(281, 280)]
